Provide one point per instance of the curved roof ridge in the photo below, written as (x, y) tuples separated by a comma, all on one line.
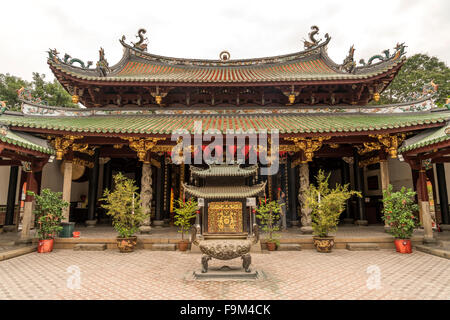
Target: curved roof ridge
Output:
[(226, 63)]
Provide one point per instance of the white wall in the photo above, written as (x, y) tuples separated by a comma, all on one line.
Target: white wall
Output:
[(52, 179), (4, 184), (400, 174)]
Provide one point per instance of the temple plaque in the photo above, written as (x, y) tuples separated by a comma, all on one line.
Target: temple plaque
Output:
[(225, 217)]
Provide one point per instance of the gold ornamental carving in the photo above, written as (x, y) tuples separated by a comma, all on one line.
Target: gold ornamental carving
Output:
[(390, 142), (142, 146), (63, 144), (308, 145), (225, 217), (83, 148), (368, 161), (369, 147)]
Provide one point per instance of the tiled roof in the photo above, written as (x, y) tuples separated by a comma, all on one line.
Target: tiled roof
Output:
[(309, 65), (426, 138), (221, 192), (285, 123), (224, 171), (25, 141)]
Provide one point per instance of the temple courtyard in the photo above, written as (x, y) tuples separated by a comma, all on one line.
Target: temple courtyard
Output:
[(147, 274)]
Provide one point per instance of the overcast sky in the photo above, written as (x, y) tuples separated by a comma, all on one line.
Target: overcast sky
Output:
[(202, 29)]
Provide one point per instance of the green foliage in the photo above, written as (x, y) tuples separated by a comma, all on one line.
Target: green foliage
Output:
[(327, 204), (417, 71), (268, 214), (51, 92), (48, 213), (399, 209), (124, 205), (183, 215)]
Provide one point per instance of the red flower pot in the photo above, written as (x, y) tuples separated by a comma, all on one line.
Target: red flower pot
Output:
[(403, 245), (76, 234), (45, 246)]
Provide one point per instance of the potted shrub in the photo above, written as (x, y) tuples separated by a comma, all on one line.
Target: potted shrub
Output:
[(326, 205), (268, 214), (48, 213), (398, 213), (124, 206), (184, 213)]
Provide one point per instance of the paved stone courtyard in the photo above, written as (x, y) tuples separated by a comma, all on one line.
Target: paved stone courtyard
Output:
[(148, 274)]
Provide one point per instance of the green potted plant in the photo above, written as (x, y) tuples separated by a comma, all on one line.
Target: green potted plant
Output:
[(184, 213), (124, 206), (268, 214), (398, 213), (48, 215), (326, 205)]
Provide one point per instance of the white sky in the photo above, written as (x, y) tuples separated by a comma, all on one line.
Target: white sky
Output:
[(202, 29)]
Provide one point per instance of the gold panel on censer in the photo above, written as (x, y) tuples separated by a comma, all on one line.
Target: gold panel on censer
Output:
[(225, 217)]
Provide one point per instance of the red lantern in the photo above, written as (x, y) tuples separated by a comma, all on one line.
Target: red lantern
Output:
[(232, 149), (219, 150), (245, 150)]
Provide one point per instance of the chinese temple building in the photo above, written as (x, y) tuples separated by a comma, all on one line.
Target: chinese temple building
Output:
[(320, 109)]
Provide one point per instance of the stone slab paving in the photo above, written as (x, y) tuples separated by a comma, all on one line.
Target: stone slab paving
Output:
[(304, 274)]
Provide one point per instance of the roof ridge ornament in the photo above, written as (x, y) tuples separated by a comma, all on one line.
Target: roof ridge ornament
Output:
[(399, 51), (102, 63), (349, 64), (143, 42), (313, 41), (224, 55)]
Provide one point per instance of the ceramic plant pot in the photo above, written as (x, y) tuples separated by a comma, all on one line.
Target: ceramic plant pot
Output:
[(323, 244), (403, 245), (45, 246), (126, 244), (271, 246), (183, 245)]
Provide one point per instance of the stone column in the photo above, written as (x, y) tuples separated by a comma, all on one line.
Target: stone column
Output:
[(306, 211), (424, 206), (292, 194), (443, 198), (359, 186), (384, 172), (146, 195), (28, 207), (159, 222), (93, 191), (345, 170), (11, 202), (67, 186)]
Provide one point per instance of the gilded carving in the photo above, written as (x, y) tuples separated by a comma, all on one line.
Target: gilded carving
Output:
[(142, 146), (225, 217), (63, 144), (308, 145), (390, 142)]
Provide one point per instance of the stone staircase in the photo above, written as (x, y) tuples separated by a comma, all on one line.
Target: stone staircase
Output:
[(440, 248)]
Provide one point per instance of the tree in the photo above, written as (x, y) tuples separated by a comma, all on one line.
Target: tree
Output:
[(52, 93), (9, 85), (418, 70)]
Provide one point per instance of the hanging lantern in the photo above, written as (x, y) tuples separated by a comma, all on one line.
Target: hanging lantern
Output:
[(75, 98), (376, 96), (291, 98)]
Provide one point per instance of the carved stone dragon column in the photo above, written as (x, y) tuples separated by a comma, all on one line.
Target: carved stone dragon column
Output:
[(146, 195), (305, 210)]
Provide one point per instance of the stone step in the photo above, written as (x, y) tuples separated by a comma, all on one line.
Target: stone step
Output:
[(164, 246), (7, 243), (434, 250), (444, 244), (289, 247), (90, 247), (363, 246)]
